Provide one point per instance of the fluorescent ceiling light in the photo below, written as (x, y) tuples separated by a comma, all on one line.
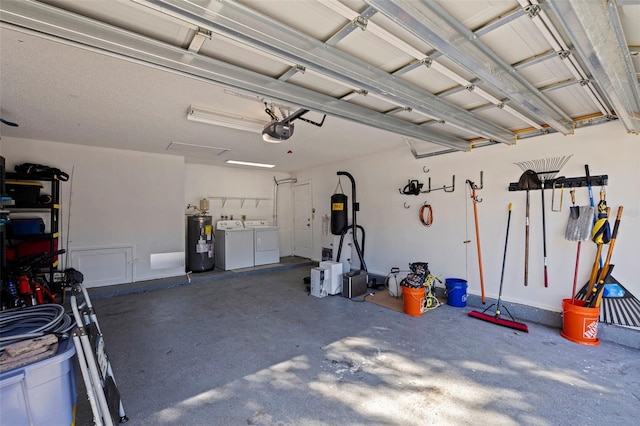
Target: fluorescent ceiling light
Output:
[(217, 118), (247, 163)]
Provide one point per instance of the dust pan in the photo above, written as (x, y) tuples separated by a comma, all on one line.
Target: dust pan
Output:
[(579, 229)]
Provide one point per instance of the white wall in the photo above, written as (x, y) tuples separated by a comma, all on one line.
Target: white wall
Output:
[(120, 199), (395, 236), (131, 198), (203, 181)]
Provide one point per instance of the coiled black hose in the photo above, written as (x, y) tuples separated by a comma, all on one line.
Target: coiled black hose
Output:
[(33, 321)]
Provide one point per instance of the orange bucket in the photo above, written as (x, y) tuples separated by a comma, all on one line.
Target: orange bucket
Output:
[(413, 300), (580, 324)]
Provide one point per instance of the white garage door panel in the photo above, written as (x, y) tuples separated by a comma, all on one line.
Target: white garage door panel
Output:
[(104, 266)]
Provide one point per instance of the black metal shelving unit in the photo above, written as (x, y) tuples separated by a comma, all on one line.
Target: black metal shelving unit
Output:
[(51, 210)]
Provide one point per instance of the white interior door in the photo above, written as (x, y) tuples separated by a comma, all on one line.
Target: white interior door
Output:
[(302, 227)]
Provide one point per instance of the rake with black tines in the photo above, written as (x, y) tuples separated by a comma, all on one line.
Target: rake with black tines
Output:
[(546, 169), (495, 318)]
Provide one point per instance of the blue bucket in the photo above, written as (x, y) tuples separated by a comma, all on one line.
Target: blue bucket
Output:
[(456, 292)]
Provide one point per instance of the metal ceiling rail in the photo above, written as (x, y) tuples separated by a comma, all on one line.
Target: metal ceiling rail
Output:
[(536, 59), (431, 23), (49, 22), (430, 62), (550, 33), (258, 31), (499, 22), (596, 33)]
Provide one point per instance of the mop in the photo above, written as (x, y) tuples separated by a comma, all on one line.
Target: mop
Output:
[(496, 317)]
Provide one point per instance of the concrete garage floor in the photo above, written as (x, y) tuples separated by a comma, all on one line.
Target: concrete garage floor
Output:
[(258, 350)]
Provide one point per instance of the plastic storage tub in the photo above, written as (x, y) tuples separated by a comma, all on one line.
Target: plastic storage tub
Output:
[(42, 393)]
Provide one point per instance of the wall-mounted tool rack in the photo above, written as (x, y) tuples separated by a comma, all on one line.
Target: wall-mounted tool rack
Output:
[(414, 187), (572, 182), (445, 188)]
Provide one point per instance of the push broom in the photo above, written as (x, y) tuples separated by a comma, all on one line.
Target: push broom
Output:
[(495, 318)]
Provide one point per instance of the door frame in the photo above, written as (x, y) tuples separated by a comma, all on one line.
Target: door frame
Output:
[(311, 215)]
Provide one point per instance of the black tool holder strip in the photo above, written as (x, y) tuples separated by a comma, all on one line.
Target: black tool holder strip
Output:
[(573, 182)]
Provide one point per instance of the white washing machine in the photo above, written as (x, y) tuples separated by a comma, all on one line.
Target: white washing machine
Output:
[(266, 242), (233, 245)]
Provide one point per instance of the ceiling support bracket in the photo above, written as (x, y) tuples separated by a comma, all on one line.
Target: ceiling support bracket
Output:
[(198, 40), (532, 10), (291, 72), (360, 22)]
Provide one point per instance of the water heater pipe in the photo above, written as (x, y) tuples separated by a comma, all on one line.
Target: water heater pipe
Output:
[(275, 196)]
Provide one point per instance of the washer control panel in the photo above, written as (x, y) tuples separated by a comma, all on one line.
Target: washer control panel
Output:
[(229, 224)]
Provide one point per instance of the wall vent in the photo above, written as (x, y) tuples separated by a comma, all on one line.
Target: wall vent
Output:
[(167, 260)]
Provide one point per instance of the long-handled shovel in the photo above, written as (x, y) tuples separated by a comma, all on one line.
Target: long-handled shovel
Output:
[(528, 180), (545, 169)]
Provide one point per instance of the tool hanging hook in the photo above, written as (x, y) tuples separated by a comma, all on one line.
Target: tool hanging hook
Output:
[(406, 206), (475, 188), (425, 170)]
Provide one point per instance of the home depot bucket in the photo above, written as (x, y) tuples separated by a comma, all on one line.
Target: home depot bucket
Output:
[(413, 300), (579, 324), (456, 292)]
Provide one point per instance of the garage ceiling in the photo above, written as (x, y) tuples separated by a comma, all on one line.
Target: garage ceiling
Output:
[(434, 76)]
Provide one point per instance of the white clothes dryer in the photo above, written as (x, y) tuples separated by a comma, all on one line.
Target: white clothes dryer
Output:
[(233, 245), (266, 242)]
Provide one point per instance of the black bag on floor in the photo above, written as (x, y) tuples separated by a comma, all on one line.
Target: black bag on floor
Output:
[(415, 279)]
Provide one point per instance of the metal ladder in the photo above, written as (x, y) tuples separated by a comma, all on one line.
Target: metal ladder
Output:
[(95, 367)]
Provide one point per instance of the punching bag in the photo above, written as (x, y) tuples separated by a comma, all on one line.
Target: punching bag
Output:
[(338, 213)]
